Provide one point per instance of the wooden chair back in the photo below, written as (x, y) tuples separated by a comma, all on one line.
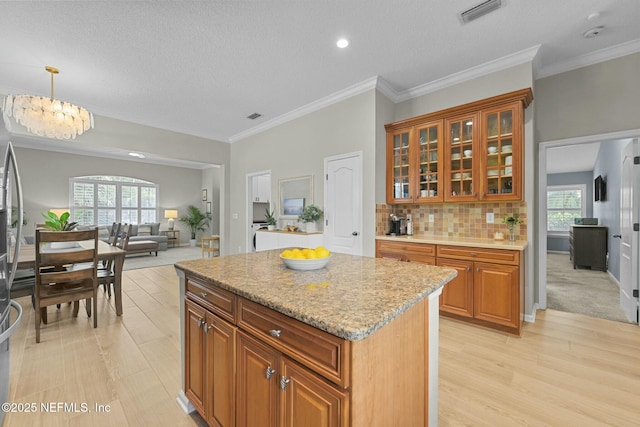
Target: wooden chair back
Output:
[(124, 237), (114, 232), (55, 283)]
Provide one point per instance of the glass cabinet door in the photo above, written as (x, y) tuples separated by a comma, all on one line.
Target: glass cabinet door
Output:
[(429, 173), (400, 165), (501, 147), (459, 159)]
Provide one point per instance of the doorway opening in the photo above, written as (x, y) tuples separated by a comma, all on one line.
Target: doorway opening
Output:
[(554, 264)]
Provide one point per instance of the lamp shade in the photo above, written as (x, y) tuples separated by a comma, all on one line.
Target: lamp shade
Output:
[(170, 214), (59, 212)]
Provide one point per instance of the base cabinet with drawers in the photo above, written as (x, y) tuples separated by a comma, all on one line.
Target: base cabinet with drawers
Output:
[(588, 246), (489, 287), (248, 365)]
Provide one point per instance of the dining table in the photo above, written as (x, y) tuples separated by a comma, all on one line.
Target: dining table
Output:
[(106, 252)]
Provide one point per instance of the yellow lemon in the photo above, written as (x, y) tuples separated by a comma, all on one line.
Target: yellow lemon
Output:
[(298, 256), (286, 254), (321, 252), (295, 251), (305, 252), (311, 255)]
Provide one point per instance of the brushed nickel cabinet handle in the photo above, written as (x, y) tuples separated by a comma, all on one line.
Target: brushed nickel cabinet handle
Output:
[(203, 294), (283, 383), (207, 327), (200, 323), (269, 372), (275, 333)]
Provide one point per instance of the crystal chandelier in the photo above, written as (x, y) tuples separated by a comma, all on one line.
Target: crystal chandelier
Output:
[(48, 117)]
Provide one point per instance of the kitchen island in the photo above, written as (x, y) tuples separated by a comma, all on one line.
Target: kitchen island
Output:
[(352, 344)]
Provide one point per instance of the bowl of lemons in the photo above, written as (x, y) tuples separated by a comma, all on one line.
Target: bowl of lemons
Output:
[(305, 258)]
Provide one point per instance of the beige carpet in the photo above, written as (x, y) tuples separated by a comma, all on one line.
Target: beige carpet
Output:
[(582, 291), (170, 256)]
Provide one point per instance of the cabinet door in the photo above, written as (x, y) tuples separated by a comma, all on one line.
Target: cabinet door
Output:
[(501, 140), (495, 293), (307, 400), (194, 355), (428, 155), (457, 295), (461, 159), (258, 383), (220, 368), (399, 189)]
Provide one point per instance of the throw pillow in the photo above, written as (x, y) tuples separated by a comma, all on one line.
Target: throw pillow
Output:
[(155, 228), (144, 230)]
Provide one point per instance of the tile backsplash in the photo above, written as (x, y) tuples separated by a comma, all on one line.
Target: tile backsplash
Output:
[(455, 219)]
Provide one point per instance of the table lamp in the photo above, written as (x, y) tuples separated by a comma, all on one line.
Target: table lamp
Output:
[(170, 214)]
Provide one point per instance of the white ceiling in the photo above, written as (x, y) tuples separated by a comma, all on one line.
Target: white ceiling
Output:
[(572, 158), (201, 67)]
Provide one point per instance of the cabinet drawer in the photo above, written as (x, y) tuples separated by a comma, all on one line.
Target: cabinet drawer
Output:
[(418, 252), (497, 256), (321, 352), (219, 301)]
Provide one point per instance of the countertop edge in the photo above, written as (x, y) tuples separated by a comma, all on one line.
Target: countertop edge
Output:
[(518, 245)]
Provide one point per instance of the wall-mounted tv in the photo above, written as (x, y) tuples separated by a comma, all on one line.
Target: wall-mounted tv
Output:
[(293, 206), (600, 189)]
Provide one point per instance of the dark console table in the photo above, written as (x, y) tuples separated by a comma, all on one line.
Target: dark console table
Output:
[(588, 246)]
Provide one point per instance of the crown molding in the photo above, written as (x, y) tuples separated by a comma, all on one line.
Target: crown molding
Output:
[(521, 57), (623, 49), (321, 103), (387, 90)]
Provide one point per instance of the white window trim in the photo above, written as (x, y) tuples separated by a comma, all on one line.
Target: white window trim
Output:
[(118, 184), (583, 210)]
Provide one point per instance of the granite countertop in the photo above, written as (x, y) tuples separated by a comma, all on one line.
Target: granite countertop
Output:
[(351, 298), (518, 245)]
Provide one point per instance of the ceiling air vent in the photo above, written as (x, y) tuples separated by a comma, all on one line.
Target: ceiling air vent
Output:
[(254, 116), (480, 10)]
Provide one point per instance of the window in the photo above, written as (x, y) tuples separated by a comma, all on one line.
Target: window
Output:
[(564, 204), (102, 200)]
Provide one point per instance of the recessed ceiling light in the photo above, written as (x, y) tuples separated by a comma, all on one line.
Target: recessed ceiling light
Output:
[(342, 43), (593, 32), (138, 155)]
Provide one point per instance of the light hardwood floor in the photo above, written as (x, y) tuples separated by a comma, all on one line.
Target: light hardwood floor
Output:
[(565, 370)]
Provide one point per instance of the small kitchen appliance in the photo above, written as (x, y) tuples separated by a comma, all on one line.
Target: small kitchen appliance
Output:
[(397, 226)]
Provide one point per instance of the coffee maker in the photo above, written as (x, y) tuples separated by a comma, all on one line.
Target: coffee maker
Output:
[(398, 226)]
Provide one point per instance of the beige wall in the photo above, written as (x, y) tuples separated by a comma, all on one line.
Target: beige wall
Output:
[(45, 182), (593, 100), (298, 148)]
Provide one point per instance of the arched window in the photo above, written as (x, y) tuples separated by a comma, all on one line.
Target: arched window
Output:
[(102, 200)]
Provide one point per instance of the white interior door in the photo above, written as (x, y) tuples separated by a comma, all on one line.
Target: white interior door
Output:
[(629, 256), (343, 203)]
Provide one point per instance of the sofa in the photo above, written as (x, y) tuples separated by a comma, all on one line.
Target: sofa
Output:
[(138, 232)]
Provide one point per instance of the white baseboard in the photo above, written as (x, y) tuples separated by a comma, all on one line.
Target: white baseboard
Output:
[(612, 277), (531, 318), (184, 403)]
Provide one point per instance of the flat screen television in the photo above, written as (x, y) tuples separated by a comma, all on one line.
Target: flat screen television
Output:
[(600, 189)]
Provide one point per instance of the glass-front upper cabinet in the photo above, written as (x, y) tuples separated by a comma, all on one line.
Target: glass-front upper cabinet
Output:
[(399, 166), (429, 174), (501, 150), (461, 158)]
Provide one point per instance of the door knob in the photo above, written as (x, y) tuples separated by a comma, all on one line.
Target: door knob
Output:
[(619, 236), (355, 233)]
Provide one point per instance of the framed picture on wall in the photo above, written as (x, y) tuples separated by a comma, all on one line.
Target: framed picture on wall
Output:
[(208, 207), (204, 194)]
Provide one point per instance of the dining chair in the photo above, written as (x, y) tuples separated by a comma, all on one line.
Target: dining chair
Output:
[(55, 284), (106, 273)]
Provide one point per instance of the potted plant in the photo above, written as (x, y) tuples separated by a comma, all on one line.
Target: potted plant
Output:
[(310, 214), (196, 221), (270, 219), (60, 223), (512, 221)]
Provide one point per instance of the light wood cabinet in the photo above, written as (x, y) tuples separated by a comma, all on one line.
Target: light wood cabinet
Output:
[(405, 251), (489, 287), (276, 391), (472, 152), (248, 365), (210, 365)]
